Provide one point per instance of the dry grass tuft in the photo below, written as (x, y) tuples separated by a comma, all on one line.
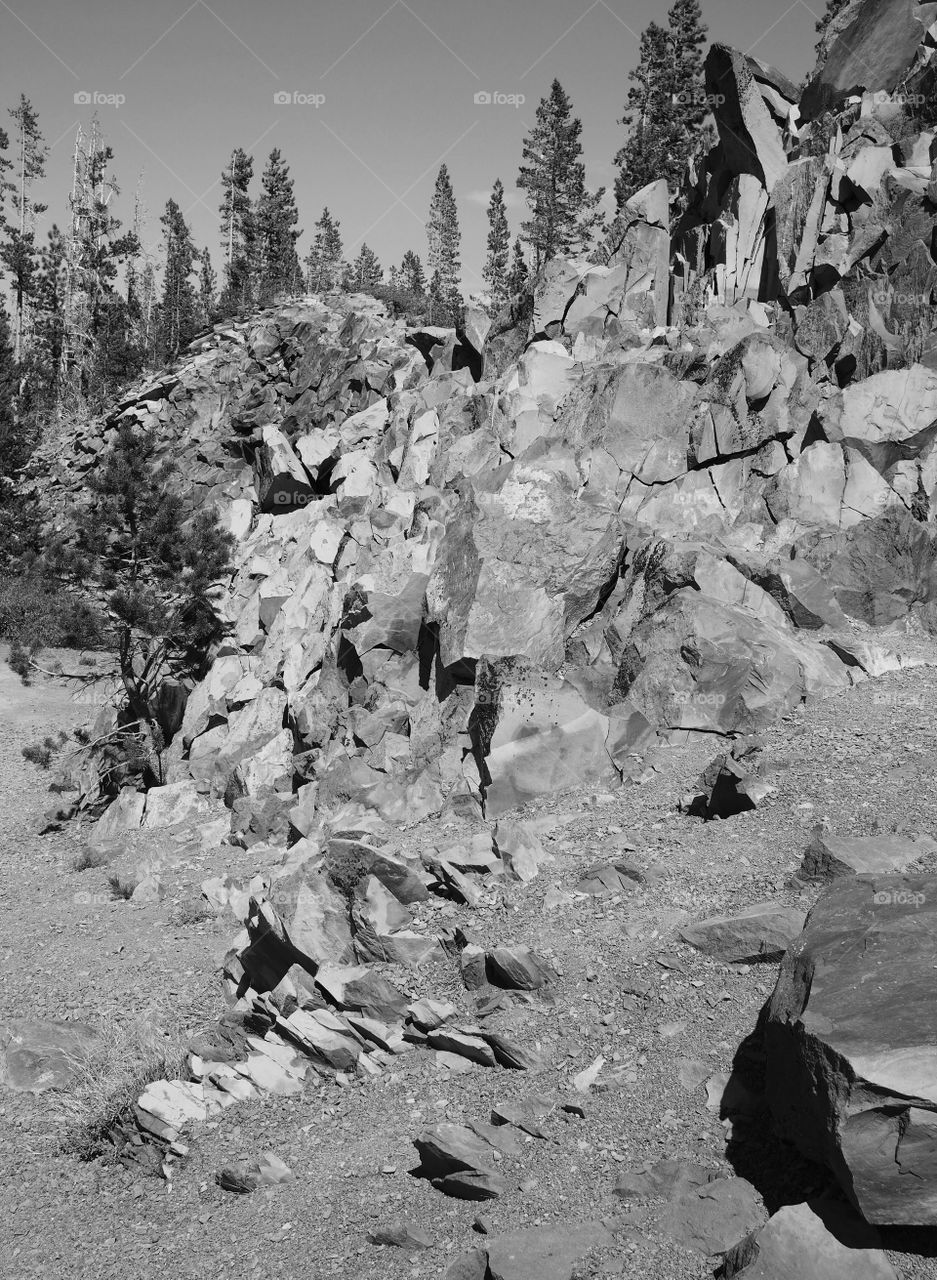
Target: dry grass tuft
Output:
[(121, 888), (90, 858), (130, 1053)]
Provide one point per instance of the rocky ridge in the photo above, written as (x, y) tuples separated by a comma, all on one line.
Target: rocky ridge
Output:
[(461, 587)]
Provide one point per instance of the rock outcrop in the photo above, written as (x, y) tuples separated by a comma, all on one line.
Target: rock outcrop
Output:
[(698, 466), (851, 1044)]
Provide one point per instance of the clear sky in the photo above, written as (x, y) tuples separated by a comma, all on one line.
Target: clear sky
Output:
[(373, 95)]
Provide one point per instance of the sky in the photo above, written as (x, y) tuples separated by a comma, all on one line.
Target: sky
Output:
[(364, 98)]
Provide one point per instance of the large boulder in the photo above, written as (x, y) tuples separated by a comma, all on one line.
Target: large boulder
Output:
[(815, 1239), (750, 138), (700, 663), (869, 46), (851, 1044)]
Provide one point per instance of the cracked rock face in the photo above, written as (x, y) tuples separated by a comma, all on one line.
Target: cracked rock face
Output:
[(851, 1044)]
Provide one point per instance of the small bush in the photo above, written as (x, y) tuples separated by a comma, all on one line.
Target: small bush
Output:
[(401, 302), (36, 614), (90, 858), (42, 753), (121, 889), (192, 911)]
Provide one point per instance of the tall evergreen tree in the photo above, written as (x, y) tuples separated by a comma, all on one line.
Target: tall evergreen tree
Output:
[(365, 272), (518, 275), (95, 320), (666, 103), (649, 117), (445, 244), (49, 317), (150, 321), (495, 271), (237, 233), (564, 215), (411, 273), (276, 215), (686, 33), (323, 261), (207, 290), (19, 253), (179, 307), (15, 447)]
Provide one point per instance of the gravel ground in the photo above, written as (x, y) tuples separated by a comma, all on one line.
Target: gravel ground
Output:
[(861, 762)]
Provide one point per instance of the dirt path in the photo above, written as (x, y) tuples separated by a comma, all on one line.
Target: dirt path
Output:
[(864, 761)]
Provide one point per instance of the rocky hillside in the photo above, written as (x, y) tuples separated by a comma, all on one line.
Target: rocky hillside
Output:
[(460, 589)]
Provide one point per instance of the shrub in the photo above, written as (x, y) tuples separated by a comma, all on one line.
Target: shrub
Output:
[(155, 565), (36, 613), (121, 889), (90, 858), (42, 753)]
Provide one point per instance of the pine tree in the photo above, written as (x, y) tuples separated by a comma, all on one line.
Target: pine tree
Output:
[(45, 355), (156, 563), (276, 216), (150, 320), (19, 252), (666, 104), (445, 242), (237, 233), (365, 272), (411, 271), (687, 36), (564, 215), (207, 290), (323, 262), (15, 447), (518, 275), (179, 307), (95, 251), (495, 271), (649, 115)]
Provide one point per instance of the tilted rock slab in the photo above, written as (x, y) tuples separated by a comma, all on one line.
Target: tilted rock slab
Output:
[(851, 1044)]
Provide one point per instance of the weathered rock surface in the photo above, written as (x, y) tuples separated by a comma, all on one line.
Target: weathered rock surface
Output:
[(36, 1055), (542, 1253), (830, 857), (762, 931), (810, 1239), (851, 1044), (711, 1218)]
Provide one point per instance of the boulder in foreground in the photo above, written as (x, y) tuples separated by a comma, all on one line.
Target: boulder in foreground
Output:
[(851, 1044)]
